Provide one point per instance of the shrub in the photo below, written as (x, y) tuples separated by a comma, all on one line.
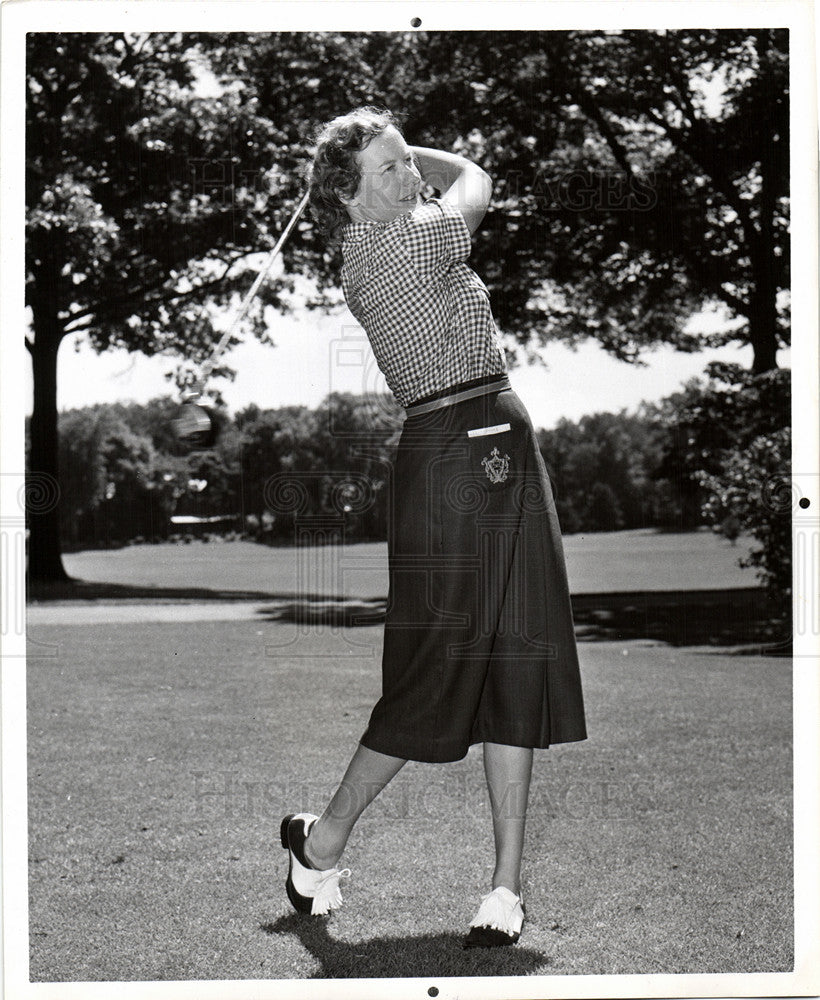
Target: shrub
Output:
[(753, 488)]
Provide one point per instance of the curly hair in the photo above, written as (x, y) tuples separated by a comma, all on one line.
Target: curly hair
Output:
[(335, 168)]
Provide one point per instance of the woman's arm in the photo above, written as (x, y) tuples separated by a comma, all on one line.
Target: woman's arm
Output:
[(461, 182)]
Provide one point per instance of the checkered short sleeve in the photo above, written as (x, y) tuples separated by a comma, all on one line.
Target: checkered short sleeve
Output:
[(434, 236), (425, 311)]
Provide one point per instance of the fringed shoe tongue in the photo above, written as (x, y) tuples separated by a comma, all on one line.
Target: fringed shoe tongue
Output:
[(310, 890), (499, 920), (328, 895)]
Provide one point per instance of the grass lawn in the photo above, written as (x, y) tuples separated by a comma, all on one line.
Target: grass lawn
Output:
[(162, 758), (601, 562)]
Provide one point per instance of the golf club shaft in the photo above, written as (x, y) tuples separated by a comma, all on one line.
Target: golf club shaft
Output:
[(208, 366)]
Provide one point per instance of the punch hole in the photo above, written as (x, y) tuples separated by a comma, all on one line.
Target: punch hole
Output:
[(433, 991), (415, 22), (804, 502)]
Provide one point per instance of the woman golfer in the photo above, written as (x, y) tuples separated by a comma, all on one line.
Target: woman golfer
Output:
[(478, 642)]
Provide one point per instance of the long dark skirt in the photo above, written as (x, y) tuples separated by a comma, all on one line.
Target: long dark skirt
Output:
[(479, 642)]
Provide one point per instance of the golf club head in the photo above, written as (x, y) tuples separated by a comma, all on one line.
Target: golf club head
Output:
[(195, 426)]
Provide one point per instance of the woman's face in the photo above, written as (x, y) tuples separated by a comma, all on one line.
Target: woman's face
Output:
[(390, 183)]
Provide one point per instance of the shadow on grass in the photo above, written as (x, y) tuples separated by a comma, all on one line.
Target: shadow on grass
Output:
[(730, 617), (402, 957), (720, 618), (94, 590), (328, 611)]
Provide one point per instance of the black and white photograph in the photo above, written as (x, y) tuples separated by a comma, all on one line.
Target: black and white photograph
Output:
[(410, 490)]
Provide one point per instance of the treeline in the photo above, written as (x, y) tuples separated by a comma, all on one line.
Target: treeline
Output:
[(124, 475), (603, 470), (704, 455)]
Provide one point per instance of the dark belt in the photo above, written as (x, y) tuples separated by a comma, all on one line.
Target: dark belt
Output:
[(415, 409)]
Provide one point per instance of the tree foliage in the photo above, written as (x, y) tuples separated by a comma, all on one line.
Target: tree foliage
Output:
[(126, 241), (602, 468), (115, 486), (753, 488), (625, 198), (640, 175), (125, 477), (275, 474), (727, 443)]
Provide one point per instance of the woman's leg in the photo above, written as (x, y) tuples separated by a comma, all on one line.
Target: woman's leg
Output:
[(366, 775), (508, 770)]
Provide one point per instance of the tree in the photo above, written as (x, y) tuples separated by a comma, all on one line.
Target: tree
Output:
[(601, 468), (114, 484), (273, 442), (727, 410), (729, 437), (355, 439), (641, 175), (603, 509), (128, 237), (624, 199), (753, 487)]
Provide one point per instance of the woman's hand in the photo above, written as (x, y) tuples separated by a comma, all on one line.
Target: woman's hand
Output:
[(462, 183)]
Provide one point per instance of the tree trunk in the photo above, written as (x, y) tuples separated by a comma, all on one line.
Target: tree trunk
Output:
[(45, 562), (763, 300), (763, 316)]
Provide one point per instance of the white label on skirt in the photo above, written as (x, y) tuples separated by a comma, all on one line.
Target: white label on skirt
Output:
[(482, 431)]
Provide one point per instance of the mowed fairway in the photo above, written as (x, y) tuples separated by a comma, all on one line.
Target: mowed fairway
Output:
[(600, 562), (163, 756)]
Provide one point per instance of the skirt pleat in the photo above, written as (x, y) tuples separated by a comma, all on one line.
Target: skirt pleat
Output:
[(479, 644)]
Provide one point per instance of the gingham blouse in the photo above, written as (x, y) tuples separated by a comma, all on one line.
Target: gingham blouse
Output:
[(425, 312)]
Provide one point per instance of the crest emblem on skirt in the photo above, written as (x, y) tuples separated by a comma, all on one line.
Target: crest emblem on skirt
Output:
[(496, 466)]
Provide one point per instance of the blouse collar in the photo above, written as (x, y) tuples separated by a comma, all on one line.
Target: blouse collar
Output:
[(353, 232)]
